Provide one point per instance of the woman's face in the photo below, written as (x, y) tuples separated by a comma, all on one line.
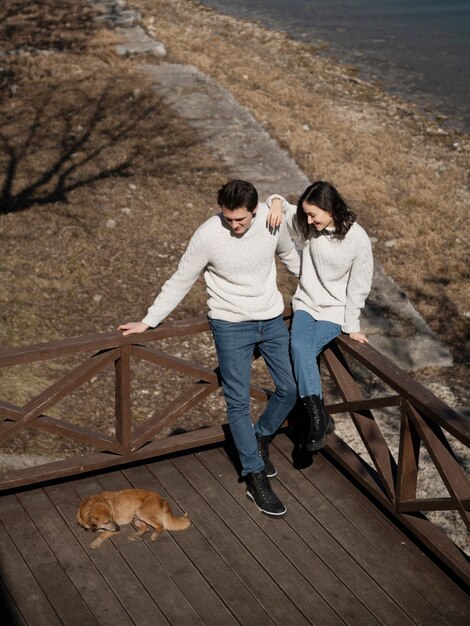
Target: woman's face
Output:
[(316, 217)]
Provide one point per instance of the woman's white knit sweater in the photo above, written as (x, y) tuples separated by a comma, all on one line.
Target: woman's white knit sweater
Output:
[(240, 271), (336, 275)]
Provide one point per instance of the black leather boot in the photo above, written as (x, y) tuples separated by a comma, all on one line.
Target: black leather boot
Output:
[(258, 489), (319, 421)]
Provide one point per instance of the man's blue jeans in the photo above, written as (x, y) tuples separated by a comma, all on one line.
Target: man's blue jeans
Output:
[(308, 338), (235, 343)]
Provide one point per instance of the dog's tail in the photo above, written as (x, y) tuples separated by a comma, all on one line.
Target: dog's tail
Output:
[(171, 522)]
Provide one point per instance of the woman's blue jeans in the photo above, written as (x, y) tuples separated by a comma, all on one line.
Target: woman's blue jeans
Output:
[(235, 343), (308, 338)]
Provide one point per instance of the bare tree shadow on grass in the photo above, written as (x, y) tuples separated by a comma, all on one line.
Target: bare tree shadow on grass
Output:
[(71, 133), (47, 24)]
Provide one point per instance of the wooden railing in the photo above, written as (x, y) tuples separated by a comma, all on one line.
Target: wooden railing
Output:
[(423, 418)]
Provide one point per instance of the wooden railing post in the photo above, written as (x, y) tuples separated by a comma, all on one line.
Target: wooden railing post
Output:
[(123, 398)]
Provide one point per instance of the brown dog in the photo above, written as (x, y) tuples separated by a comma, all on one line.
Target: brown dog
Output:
[(107, 511)]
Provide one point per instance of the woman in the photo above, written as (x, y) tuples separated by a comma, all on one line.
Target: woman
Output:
[(335, 280)]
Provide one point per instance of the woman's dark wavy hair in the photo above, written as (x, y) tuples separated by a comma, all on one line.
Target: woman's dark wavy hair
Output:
[(325, 196)]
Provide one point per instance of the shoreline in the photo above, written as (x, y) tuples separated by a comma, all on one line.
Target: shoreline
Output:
[(386, 67)]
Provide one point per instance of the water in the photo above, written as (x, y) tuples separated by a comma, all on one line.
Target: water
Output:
[(419, 49)]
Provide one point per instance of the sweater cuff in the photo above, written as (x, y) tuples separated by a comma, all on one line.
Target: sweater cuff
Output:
[(150, 321), (351, 327), (275, 196)]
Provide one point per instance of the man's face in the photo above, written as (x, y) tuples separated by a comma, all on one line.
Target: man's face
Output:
[(239, 220)]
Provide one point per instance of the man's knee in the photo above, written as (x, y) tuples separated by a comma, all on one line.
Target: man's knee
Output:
[(237, 407)]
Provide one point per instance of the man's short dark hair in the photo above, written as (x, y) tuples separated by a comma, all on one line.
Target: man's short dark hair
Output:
[(236, 194)]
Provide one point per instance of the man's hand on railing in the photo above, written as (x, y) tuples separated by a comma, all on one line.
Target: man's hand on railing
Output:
[(132, 328)]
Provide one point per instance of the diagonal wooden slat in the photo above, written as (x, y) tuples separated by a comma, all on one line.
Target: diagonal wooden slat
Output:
[(181, 404), (364, 421), (421, 397), (57, 391), (73, 432), (191, 369), (174, 363), (10, 411), (408, 460), (444, 460)]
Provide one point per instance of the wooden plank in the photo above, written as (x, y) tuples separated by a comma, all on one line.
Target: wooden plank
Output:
[(159, 584), (394, 549), (109, 562), (52, 578), (9, 612), (24, 533), (205, 601), (72, 559), (223, 561), (22, 586), (295, 589), (325, 576), (64, 596)]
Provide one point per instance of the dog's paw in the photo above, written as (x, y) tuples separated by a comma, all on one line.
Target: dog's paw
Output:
[(154, 536), (94, 545)]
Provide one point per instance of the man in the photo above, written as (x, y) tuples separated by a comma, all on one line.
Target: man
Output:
[(235, 250)]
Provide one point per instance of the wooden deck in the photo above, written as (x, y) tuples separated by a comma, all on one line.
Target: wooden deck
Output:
[(334, 559)]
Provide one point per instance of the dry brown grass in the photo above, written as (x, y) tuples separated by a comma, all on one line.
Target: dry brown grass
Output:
[(407, 183)]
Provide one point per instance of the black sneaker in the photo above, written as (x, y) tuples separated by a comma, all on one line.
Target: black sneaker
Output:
[(258, 488), (263, 450)]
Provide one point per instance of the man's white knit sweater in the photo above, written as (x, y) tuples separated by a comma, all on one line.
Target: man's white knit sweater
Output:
[(240, 271), (336, 274)]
